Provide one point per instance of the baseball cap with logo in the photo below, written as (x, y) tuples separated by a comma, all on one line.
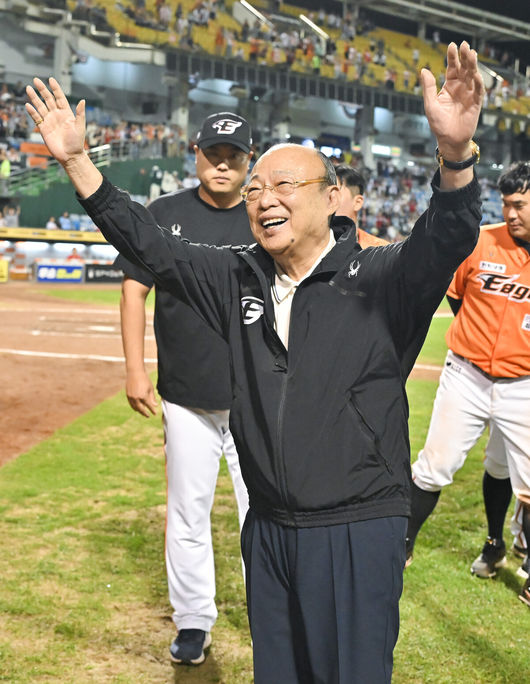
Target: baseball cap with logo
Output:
[(225, 127)]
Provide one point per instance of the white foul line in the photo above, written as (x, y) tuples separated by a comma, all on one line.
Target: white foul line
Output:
[(65, 310), (59, 355), (121, 359), (85, 336)]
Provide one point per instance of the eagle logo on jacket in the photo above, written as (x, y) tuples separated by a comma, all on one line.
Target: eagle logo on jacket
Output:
[(252, 309)]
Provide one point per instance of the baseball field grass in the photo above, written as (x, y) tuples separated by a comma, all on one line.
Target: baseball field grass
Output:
[(83, 593)]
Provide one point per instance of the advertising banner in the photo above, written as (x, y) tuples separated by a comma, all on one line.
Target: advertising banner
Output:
[(103, 273), (54, 273)]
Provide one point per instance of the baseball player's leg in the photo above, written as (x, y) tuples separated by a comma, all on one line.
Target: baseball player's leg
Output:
[(496, 485), (460, 414), (193, 450), (510, 414), (498, 489), (232, 461), (516, 528), (510, 398), (524, 594)]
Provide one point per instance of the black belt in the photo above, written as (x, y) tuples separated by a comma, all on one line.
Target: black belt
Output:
[(493, 378)]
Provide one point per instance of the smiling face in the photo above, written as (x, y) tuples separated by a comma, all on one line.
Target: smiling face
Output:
[(516, 212), (222, 170), (293, 229)]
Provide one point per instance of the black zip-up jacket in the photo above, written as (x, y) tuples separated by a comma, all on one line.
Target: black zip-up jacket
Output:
[(321, 430)]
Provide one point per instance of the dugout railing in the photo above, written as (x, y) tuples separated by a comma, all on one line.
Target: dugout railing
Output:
[(33, 180)]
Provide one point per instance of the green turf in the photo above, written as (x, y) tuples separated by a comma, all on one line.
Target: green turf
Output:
[(95, 295), (84, 596), (434, 348), (83, 583)]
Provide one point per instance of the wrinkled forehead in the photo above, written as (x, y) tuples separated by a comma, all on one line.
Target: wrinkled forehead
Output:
[(298, 163)]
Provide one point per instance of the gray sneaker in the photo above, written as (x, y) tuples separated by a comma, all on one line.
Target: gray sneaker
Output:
[(189, 646), (493, 556), (524, 570)]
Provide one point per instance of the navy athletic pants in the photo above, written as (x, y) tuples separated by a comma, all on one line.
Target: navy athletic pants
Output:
[(323, 602)]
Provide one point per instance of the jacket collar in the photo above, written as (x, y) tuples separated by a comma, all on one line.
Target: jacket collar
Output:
[(345, 234)]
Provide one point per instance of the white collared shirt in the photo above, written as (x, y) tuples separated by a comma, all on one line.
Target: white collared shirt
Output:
[(283, 290)]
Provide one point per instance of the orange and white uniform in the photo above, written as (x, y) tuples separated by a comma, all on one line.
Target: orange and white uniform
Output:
[(486, 377), (492, 328), (366, 239)]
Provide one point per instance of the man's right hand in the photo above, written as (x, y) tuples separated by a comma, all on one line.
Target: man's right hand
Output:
[(63, 133), (61, 129), (141, 394)]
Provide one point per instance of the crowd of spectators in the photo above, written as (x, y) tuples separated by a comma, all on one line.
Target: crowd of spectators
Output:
[(281, 45), (394, 198), (136, 140), (93, 13)]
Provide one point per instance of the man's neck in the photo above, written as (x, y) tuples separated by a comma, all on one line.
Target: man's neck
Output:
[(219, 200), (297, 266)]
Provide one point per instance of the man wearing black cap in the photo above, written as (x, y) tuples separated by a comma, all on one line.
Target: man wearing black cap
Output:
[(193, 377)]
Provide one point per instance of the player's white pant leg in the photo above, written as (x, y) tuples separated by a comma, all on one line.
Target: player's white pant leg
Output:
[(510, 412), (460, 415), (516, 525), (495, 459), (232, 461), (194, 444)]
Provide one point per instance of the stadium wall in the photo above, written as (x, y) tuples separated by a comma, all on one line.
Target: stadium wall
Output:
[(59, 197)]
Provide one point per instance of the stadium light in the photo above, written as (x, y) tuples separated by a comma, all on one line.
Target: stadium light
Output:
[(492, 73), (256, 13), (314, 27)]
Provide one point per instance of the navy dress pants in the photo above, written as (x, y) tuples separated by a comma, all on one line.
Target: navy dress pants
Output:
[(323, 602)]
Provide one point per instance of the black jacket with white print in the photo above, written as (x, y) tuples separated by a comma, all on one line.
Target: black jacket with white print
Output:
[(321, 429)]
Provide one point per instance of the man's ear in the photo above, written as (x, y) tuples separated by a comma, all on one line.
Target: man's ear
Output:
[(333, 197), (358, 202)]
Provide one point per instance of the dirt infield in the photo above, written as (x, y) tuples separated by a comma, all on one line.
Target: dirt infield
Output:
[(58, 359)]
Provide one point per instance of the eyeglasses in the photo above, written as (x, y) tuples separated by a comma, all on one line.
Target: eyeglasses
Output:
[(250, 193)]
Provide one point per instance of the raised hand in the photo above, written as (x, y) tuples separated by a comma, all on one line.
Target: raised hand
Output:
[(453, 112), (62, 131)]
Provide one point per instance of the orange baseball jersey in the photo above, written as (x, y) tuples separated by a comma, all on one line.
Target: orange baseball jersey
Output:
[(368, 240), (492, 327)]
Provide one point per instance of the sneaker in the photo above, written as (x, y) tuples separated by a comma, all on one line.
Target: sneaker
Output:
[(409, 548), (189, 646), (524, 596), (524, 570), (519, 551), (493, 556)]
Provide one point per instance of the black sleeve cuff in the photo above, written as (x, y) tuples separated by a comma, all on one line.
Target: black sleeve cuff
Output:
[(98, 199), (454, 199)]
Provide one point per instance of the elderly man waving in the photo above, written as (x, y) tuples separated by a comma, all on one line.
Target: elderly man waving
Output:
[(322, 336)]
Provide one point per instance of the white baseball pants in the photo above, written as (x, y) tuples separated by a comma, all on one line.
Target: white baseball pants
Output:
[(195, 440), (467, 402)]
